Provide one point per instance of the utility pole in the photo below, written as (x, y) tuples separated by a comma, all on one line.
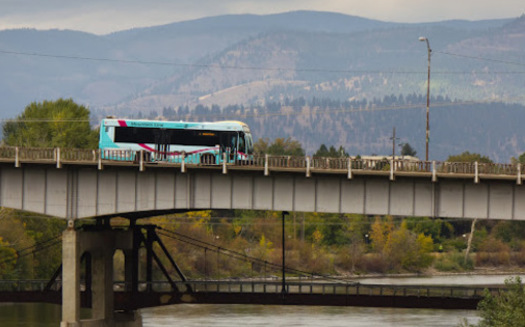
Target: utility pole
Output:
[(283, 290), (429, 52), (393, 138)]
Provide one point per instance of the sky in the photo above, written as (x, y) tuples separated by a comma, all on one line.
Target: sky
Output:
[(106, 16)]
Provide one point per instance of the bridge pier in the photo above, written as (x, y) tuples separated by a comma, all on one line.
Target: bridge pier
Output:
[(101, 245)]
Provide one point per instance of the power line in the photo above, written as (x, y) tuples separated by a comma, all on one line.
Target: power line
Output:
[(145, 62), (313, 111), (257, 68), (44, 120), (31, 249), (482, 58), (236, 255)]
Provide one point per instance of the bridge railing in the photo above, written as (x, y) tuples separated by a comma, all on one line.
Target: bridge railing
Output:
[(82, 155), (7, 152), (286, 162), (456, 167), (470, 168), (498, 169), (275, 286), (119, 155), (302, 287), (257, 161), (370, 164), (413, 166), (50, 155), (329, 163), (318, 287), (37, 154)]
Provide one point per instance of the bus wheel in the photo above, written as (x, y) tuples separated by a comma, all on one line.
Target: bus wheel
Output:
[(208, 159)]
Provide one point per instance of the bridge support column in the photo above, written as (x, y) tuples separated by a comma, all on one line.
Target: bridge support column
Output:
[(101, 245), (102, 285), (70, 278)]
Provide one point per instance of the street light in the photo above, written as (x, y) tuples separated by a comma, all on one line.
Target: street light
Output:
[(283, 289), (422, 38)]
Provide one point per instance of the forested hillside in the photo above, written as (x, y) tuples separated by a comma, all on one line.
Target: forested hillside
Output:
[(316, 77), (365, 127), (246, 59)]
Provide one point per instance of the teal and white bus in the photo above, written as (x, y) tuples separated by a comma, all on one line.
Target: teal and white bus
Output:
[(173, 141)]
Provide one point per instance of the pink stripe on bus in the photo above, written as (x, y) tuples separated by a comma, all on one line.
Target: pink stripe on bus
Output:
[(142, 145)]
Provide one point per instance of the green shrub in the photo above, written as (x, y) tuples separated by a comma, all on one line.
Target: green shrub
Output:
[(504, 310), (453, 262)]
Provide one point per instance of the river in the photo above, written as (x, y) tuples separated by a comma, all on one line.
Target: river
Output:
[(199, 315), (193, 315)]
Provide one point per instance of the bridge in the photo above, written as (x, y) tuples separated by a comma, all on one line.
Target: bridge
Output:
[(76, 184), (260, 291), (80, 184)]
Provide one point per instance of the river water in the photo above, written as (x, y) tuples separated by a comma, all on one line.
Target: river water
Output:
[(201, 315), (193, 315)]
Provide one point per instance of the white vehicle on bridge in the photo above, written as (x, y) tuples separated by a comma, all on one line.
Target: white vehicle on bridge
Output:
[(174, 141)]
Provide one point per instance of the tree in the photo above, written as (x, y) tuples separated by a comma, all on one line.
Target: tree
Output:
[(14, 235), (323, 151), (8, 257), (380, 232), (521, 159), (399, 247), (469, 157), (505, 309), (61, 123), (279, 147), (407, 150)]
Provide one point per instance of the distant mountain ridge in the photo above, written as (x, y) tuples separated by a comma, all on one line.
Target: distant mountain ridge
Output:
[(170, 50), (361, 64), (252, 60)]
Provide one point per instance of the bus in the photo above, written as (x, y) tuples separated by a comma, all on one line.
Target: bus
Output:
[(171, 141)]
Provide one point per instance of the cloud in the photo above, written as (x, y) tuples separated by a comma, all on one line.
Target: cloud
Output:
[(102, 16)]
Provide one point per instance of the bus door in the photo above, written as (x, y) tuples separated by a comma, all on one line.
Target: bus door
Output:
[(162, 144), (229, 143), (241, 147)]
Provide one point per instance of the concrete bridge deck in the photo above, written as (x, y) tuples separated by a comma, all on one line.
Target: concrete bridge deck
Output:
[(74, 184)]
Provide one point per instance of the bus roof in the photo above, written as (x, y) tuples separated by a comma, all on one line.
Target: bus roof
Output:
[(142, 123)]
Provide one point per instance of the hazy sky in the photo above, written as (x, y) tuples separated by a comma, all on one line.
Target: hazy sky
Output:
[(104, 16)]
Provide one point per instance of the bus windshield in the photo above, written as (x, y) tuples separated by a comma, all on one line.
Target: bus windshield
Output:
[(249, 143)]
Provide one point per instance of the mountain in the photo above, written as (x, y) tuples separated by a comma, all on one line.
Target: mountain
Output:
[(257, 61), (164, 50), (136, 63), (361, 64)]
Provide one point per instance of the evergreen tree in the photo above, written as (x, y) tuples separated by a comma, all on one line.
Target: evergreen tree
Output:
[(332, 152), (407, 150)]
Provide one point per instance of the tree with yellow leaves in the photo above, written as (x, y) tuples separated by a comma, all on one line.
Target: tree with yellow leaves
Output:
[(7, 260), (400, 248)]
